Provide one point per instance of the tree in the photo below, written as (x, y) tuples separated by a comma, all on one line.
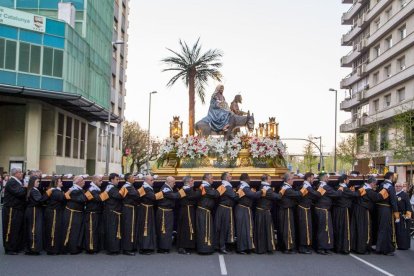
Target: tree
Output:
[(347, 150), (194, 69), (403, 142), (136, 139), (309, 158)]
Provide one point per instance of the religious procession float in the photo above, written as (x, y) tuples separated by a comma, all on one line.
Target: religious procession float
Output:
[(242, 148)]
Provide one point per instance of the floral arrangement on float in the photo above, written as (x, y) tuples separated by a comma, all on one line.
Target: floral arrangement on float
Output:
[(196, 151), (267, 152)]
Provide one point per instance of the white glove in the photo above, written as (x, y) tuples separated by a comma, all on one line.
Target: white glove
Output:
[(306, 185), (397, 221), (108, 188), (386, 186)]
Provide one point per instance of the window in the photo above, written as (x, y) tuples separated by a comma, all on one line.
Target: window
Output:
[(10, 55), (113, 81), (409, 134), (100, 145), (61, 127), (373, 140), (375, 78), (384, 143), (376, 105), (387, 71), (403, 32), (68, 140), (82, 141), (359, 140), (388, 42), (75, 138), (401, 94), (401, 63), (403, 3), (377, 51), (52, 62), (112, 107), (119, 111), (2, 55), (388, 13), (387, 100), (120, 87), (29, 58), (377, 23), (115, 25)]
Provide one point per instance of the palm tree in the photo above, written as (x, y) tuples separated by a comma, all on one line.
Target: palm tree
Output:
[(194, 69)]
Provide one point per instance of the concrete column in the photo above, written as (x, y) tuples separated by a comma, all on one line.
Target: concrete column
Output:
[(32, 135)]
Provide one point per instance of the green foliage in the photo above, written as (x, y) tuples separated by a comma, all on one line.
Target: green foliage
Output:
[(347, 150)]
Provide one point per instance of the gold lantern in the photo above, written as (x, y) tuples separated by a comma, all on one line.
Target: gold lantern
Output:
[(272, 128), (260, 131), (176, 128)]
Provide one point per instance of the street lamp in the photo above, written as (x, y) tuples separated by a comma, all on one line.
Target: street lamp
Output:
[(336, 111), (321, 156), (149, 129), (108, 138)]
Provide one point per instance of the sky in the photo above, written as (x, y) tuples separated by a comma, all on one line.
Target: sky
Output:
[(281, 56)]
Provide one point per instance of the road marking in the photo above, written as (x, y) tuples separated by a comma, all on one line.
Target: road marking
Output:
[(222, 265), (371, 265)]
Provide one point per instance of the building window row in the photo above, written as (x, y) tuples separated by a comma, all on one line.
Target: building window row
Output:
[(31, 58), (71, 137)]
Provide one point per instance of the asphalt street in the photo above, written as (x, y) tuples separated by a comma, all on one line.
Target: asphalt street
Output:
[(232, 264)]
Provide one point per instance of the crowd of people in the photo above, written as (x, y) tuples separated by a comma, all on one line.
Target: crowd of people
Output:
[(128, 218)]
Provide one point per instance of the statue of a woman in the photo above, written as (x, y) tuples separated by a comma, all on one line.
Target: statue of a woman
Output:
[(219, 113)]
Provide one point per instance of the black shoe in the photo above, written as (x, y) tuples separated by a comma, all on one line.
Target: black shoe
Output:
[(166, 251), (183, 251), (52, 254), (128, 253), (328, 252), (322, 252), (112, 253), (242, 252), (75, 253), (270, 252), (11, 253), (344, 252), (223, 251), (146, 252), (289, 252), (91, 252), (32, 253), (389, 254)]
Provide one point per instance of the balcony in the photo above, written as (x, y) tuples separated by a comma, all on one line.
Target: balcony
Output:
[(356, 99), (354, 76), (348, 16), (347, 1), (346, 61), (396, 19), (392, 81), (391, 52), (349, 126)]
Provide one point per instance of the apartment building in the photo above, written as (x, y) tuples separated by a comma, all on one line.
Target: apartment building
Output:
[(381, 82)]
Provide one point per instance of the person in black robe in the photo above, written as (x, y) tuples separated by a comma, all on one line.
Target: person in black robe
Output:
[(34, 217), (286, 219), (341, 216), (402, 229), (361, 222), (94, 235), (13, 212), (112, 215), (54, 217), (387, 212), (131, 201), (244, 215), (73, 228), (165, 214), (304, 226), (264, 236), (204, 219), (186, 234), (224, 231), (324, 230), (147, 238)]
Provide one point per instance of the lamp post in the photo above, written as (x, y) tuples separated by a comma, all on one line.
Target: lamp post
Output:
[(321, 156), (108, 137), (336, 111), (149, 129)]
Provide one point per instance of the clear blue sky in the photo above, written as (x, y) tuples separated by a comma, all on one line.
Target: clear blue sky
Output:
[(282, 56)]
